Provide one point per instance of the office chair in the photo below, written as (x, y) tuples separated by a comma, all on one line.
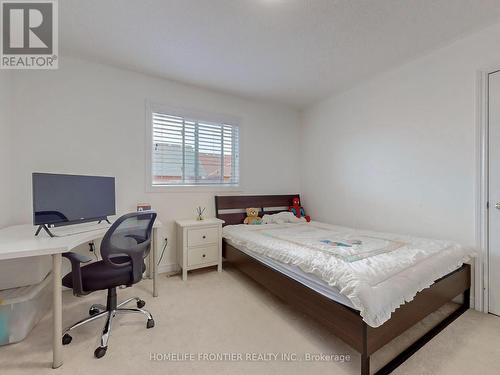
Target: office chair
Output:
[(123, 249)]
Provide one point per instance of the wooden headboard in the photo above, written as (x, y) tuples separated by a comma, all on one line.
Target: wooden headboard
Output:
[(231, 208)]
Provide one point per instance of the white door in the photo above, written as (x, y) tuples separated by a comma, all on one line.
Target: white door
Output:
[(494, 193)]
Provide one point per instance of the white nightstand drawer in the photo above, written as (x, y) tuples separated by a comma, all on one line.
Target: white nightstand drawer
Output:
[(202, 236), (201, 255)]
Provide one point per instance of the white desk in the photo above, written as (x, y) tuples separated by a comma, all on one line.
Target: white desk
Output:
[(19, 242)]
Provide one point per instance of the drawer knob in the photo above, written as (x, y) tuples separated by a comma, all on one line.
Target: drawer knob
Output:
[(204, 237), (204, 255)]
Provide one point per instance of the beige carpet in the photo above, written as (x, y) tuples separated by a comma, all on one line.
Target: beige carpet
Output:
[(214, 313)]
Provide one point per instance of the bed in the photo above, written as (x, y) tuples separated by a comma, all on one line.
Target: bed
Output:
[(322, 300)]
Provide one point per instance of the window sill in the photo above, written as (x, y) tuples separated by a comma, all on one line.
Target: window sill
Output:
[(193, 189)]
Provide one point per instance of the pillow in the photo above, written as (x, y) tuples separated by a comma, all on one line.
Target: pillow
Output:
[(281, 218)]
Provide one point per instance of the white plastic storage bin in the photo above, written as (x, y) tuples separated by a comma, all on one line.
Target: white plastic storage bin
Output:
[(15, 273), (22, 308)]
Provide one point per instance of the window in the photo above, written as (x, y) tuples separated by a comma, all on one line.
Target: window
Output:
[(186, 151)]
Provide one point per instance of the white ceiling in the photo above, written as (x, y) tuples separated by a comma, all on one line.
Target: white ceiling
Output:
[(291, 51)]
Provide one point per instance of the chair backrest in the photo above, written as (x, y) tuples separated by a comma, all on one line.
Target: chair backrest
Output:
[(130, 235)]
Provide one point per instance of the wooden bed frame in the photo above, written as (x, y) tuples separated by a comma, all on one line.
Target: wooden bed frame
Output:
[(343, 321)]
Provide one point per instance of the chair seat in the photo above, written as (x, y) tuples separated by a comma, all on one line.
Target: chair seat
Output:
[(100, 275)]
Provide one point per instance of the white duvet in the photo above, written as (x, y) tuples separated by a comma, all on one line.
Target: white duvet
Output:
[(378, 272)]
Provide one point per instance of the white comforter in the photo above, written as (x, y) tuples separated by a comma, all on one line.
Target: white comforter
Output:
[(378, 272)]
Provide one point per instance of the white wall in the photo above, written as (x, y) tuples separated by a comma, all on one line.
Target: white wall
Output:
[(398, 152), (90, 119), (5, 146)]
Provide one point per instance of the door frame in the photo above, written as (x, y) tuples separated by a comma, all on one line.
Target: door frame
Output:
[(481, 277)]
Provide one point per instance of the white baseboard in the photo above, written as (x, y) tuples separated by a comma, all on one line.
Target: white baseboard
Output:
[(168, 268)]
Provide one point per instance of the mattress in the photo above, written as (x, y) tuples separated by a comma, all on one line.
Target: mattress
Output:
[(372, 272), (311, 281)]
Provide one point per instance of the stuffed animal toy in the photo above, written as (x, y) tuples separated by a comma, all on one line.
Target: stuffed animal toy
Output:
[(252, 216), (298, 210)]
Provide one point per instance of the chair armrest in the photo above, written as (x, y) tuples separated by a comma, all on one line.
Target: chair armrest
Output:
[(77, 258), (136, 256), (76, 272)]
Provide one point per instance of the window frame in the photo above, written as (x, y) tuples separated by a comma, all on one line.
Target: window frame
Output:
[(192, 114)]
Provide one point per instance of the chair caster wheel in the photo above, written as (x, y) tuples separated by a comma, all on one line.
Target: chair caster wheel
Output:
[(93, 311), (66, 339), (141, 304), (150, 323), (100, 352)]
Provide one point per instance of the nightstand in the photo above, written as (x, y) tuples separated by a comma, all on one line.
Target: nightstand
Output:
[(199, 244)]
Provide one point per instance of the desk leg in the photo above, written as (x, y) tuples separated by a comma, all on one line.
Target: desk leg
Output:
[(154, 269), (57, 360), (149, 271)]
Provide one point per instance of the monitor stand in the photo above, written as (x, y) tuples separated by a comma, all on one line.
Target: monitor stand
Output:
[(45, 228)]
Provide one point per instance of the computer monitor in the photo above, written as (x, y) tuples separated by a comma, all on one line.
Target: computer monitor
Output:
[(62, 199)]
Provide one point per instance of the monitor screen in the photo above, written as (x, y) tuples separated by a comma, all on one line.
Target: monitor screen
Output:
[(61, 199)]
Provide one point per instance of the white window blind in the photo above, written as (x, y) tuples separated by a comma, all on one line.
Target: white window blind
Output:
[(193, 152)]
